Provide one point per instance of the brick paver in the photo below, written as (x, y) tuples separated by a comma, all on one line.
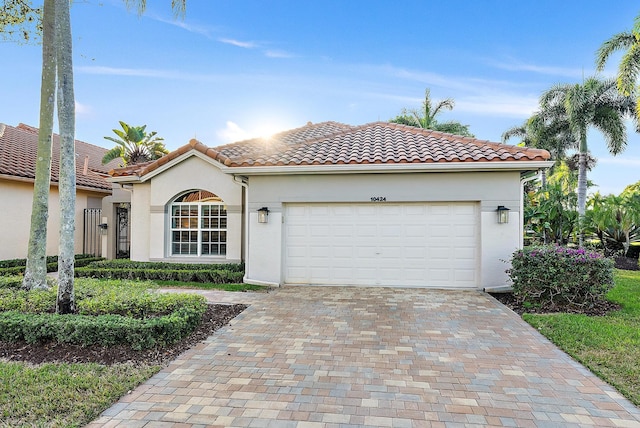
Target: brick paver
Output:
[(380, 357)]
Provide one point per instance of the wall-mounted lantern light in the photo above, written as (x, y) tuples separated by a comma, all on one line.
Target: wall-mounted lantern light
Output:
[(103, 228), (503, 214), (263, 215)]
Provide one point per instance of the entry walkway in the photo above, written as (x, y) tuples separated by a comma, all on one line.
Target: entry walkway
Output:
[(380, 357)]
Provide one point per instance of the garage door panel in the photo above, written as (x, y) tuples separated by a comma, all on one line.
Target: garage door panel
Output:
[(412, 244)]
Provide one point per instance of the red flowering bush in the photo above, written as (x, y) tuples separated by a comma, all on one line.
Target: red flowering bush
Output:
[(560, 278)]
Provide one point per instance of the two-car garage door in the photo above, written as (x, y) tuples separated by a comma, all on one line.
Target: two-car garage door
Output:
[(389, 244)]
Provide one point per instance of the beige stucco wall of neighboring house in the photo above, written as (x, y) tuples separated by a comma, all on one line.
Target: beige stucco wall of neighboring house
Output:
[(151, 199), (15, 218), (489, 189)]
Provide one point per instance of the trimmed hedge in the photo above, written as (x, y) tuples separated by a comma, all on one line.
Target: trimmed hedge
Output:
[(10, 282), (109, 313), (128, 264), (105, 330), (214, 276), (230, 273), (52, 264), (560, 277), (50, 259)]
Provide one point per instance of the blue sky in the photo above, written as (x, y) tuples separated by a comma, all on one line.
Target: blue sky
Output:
[(234, 69)]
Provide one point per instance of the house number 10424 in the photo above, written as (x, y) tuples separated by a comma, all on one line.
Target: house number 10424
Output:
[(378, 199)]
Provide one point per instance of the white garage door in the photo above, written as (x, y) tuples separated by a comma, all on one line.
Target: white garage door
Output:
[(406, 244)]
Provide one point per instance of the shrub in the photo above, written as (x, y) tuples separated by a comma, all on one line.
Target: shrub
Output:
[(17, 266), (197, 275), (105, 330), (109, 313), (560, 277), (132, 265), (10, 281)]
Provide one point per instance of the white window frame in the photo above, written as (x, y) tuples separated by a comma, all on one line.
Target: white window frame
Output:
[(196, 224)]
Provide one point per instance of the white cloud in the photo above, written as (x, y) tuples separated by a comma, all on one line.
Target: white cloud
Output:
[(138, 72), (238, 43), (515, 65), (502, 104), (277, 54), (232, 132), (82, 109), (471, 94), (634, 162), (192, 28)]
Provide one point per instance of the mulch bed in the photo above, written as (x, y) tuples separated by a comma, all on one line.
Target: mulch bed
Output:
[(627, 263), (600, 308), (215, 317)]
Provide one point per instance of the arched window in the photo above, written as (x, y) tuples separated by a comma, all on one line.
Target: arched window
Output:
[(198, 225)]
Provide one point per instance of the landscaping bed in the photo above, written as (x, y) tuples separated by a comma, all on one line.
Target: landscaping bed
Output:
[(599, 308), (215, 317)]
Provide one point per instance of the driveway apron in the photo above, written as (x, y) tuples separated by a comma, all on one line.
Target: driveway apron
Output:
[(379, 357)]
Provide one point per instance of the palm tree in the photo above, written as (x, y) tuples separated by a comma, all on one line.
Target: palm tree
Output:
[(629, 68), (134, 145), (594, 103), (35, 274), (179, 7), (426, 118), (544, 131)]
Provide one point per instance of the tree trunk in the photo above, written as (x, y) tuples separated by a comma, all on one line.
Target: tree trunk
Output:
[(35, 275), (582, 187), (66, 118)]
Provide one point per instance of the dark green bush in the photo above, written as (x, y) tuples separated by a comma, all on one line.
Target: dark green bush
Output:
[(17, 266), (105, 330), (559, 277), (128, 264), (12, 271), (198, 275), (10, 282)]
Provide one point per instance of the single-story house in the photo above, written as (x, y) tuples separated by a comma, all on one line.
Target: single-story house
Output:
[(332, 204), (18, 151)]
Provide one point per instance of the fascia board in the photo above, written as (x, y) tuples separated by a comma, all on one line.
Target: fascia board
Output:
[(160, 170), (392, 168)]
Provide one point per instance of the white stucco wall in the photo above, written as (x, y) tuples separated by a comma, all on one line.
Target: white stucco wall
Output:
[(15, 218), (109, 204), (489, 189), (149, 231)]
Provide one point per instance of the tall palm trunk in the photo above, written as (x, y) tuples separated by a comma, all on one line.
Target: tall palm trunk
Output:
[(582, 186), (66, 118), (35, 275)]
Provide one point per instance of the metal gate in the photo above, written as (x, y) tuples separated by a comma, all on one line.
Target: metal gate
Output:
[(91, 243), (123, 242)]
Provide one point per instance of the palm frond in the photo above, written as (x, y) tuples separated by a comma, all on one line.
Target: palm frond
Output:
[(617, 42), (629, 70), (112, 154)]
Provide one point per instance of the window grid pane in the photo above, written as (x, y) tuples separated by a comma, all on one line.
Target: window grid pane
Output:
[(198, 229)]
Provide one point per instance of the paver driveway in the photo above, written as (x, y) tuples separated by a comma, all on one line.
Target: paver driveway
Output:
[(381, 357)]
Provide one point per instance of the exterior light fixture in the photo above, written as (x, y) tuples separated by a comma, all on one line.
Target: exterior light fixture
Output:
[(263, 215), (503, 214), (103, 228)]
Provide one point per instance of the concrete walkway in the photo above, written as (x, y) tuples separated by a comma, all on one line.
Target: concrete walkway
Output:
[(379, 357)]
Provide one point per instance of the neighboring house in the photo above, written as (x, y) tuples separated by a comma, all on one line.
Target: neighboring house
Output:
[(332, 204), (18, 148)]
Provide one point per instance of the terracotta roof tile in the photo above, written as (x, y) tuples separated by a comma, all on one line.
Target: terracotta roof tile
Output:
[(18, 150), (332, 143), (376, 143)]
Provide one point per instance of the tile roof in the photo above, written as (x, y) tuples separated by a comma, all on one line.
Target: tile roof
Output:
[(331, 143), (18, 150)]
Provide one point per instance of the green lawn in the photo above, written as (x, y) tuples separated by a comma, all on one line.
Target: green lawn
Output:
[(610, 345), (211, 286), (63, 395)]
